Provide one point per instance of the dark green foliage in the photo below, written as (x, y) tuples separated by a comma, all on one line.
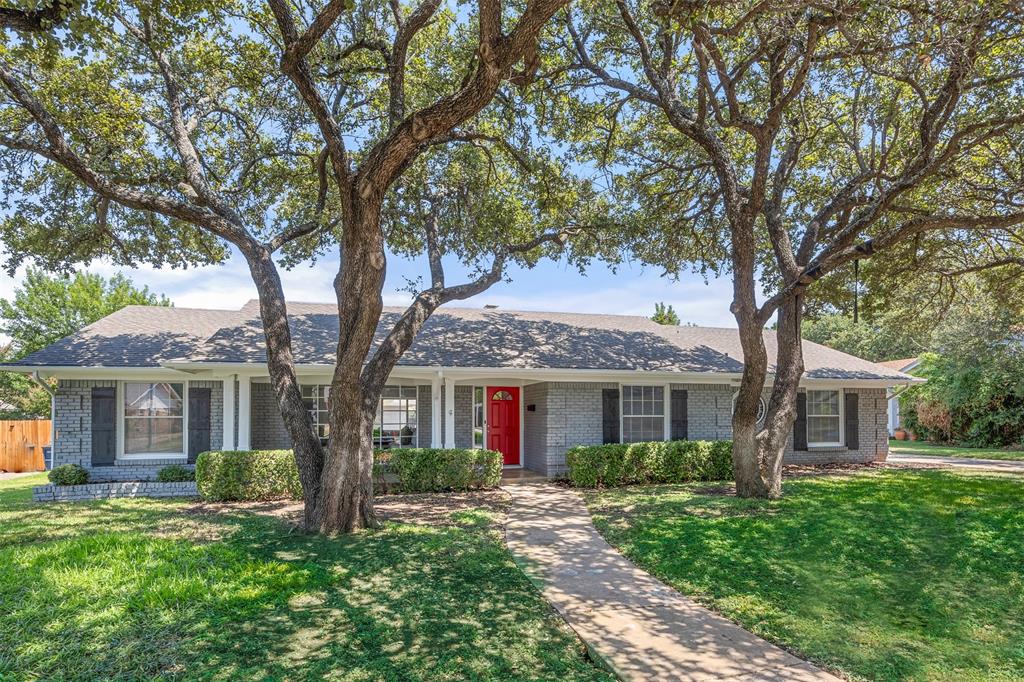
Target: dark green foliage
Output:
[(272, 474), (417, 470), (175, 473), (677, 461), (68, 474), (248, 475)]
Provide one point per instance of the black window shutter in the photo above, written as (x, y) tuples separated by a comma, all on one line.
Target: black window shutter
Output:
[(800, 425), (198, 422), (852, 422), (680, 428), (610, 415), (103, 426)]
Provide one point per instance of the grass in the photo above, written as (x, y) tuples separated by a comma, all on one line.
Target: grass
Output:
[(894, 575), (141, 589), (903, 447)]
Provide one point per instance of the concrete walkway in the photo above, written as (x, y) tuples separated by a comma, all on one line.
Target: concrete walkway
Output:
[(641, 628), (1008, 466)]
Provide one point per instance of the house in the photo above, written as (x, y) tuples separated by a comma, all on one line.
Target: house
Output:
[(904, 367), (149, 386)]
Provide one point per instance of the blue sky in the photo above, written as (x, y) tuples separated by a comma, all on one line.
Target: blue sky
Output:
[(632, 290)]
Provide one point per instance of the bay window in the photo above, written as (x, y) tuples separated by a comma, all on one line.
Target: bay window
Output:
[(643, 413), (154, 418), (824, 419)]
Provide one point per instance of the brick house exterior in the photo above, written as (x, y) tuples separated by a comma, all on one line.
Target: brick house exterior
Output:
[(135, 382)]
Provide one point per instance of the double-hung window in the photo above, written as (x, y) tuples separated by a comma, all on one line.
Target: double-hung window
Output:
[(643, 413), (824, 418), (314, 397), (395, 425), (154, 418)]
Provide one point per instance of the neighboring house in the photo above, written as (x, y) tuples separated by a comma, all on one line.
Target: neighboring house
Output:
[(904, 366), (148, 386)]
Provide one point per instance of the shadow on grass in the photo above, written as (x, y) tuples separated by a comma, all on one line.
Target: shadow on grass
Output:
[(137, 589), (894, 575)]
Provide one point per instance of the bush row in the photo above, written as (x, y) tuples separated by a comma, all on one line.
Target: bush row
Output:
[(272, 474), (677, 461)]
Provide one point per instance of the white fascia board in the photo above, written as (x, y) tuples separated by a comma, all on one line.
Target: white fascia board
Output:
[(477, 374), (96, 372)]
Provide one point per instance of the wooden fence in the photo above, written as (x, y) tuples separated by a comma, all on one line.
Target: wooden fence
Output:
[(22, 443)]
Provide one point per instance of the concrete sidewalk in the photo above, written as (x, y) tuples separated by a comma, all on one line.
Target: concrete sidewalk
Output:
[(641, 628), (1004, 465)]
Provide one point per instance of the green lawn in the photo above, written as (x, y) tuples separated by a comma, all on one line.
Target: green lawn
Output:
[(140, 589), (893, 575), (903, 447)]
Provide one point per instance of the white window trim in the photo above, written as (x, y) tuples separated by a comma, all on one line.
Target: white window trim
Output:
[(666, 408), (380, 409), (119, 397), (842, 420)]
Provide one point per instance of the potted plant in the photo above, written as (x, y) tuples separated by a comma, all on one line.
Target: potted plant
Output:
[(900, 434)]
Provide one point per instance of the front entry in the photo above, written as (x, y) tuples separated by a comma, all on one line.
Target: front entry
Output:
[(503, 422)]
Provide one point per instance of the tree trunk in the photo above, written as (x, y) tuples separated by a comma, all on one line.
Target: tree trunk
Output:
[(309, 454), (347, 485), (758, 450)]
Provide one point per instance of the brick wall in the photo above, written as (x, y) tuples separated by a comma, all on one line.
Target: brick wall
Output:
[(103, 491), (267, 425), (73, 426), (569, 413), (269, 432)]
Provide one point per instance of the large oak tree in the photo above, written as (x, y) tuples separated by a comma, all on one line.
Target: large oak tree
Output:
[(176, 135), (778, 141)]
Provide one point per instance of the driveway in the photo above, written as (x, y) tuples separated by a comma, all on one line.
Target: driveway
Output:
[(1006, 466)]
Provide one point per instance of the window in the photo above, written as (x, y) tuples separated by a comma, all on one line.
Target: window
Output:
[(643, 413), (824, 422), (501, 395), (315, 399), (154, 418), (478, 416), (395, 425)]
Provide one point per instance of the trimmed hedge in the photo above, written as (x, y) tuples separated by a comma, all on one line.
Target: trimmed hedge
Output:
[(248, 475), (68, 474), (420, 470), (677, 461), (272, 474)]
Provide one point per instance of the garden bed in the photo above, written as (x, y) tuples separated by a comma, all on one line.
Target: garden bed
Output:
[(113, 489)]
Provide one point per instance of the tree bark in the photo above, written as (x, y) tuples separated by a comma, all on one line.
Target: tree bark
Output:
[(758, 449), (347, 484), (309, 454)]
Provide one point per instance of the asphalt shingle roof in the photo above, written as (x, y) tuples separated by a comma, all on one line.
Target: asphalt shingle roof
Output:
[(142, 336)]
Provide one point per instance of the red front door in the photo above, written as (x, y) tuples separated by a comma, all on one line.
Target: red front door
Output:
[(503, 422)]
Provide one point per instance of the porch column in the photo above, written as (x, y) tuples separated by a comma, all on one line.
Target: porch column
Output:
[(228, 443), (435, 411), (449, 413), (244, 411)]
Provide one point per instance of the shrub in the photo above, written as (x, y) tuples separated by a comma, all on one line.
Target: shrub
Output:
[(248, 475), (68, 474), (272, 474), (415, 470), (175, 473), (677, 461)]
